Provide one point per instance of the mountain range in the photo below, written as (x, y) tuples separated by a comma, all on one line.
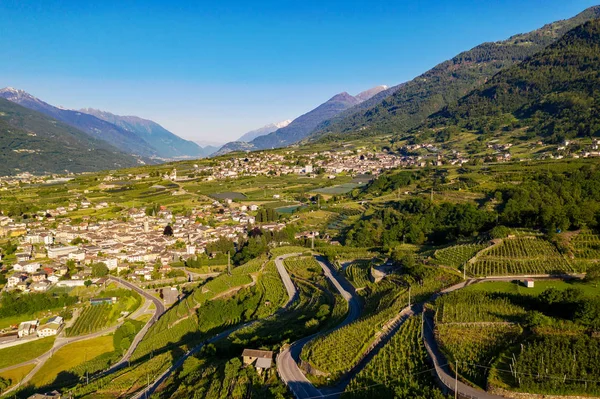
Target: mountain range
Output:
[(302, 126), (31, 141), (553, 95), (167, 144), (270, 128), (130, 134)]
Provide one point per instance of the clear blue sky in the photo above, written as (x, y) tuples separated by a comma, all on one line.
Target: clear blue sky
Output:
[(216, 69)]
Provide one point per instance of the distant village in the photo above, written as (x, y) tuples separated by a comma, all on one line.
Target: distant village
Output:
[(132, 248)]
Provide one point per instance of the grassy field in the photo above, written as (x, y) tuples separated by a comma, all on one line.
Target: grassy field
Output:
[(539, 287), (17, 374), (24, 352), (70, 356)]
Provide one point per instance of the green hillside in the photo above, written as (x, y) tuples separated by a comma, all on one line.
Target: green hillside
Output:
[(554, 94), (428, 93), (35, 143)]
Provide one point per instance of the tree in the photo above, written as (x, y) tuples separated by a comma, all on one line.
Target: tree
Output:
[(168, 230), (4, 383), (592, 274), (99, 270), (88, 283)]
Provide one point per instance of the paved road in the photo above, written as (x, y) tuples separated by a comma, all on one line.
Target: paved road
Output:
[(62, 341), (287, 360), (160, 309), (149, 390), (287, 281)]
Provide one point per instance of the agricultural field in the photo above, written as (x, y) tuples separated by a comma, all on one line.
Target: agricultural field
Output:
[(475, 347), (69, 357), (200, 313), (400, 369), (586, 245), (25, 352), (519, 256), (552, 364), (457, 255), (17, 374), (357, 272), (475, 307), (338, 351)]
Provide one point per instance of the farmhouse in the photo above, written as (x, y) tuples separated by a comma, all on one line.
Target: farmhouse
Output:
[(262, 360), (51, 328), (27, 328)]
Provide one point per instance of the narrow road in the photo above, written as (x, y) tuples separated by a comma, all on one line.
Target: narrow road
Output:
[(62, 341), (287, 281), (160, 309), (292, 294), (287, 360)]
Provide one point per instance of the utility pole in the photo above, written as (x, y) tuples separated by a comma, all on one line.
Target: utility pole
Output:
[(456, 380), (229, 262), (465, 270)]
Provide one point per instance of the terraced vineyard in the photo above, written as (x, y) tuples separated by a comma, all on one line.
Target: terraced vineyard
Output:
[(528, 255), (188, 319), (475, 347), (399, 370), (586, 245), (553, 364), (474, 307), (357, 272), (340, 350), (457, 255)]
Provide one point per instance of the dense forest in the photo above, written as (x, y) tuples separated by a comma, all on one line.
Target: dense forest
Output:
[(547, 201)]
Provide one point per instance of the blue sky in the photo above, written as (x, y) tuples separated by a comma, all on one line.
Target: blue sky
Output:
[(216, 69)]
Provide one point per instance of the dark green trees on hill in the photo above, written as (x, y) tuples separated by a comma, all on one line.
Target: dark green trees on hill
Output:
[(555, 93), (414, 101)]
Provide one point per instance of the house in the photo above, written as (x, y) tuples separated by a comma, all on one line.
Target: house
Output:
[(40, 286), (262, 360), (57, 252), (38, 276), (15, 279), (47, 395), (27, 328), (50, 329)]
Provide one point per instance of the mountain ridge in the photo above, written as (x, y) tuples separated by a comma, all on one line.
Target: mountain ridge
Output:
[(408, 104), (166, 143), (122, 139)]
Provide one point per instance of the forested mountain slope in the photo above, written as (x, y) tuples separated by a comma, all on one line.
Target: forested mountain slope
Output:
[(555, 93), (33, 142), (428, 93)]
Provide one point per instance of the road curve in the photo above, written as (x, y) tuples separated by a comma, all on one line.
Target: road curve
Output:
[(160, 309), (292, 296), (287, 360)]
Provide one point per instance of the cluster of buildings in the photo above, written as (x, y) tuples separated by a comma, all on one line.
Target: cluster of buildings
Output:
[(33, 328), (135, 244)]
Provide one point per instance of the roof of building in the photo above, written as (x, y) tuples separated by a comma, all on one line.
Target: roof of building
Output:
[(257, 353), (264, 363)]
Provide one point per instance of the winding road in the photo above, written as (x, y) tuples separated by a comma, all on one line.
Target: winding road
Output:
[(63, 341), (292, 296), (287, 360)]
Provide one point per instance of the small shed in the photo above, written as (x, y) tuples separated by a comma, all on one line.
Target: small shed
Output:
[(529, 283)]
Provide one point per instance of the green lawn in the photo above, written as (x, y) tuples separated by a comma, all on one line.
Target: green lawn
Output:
[(518, 288), (24, 352)]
